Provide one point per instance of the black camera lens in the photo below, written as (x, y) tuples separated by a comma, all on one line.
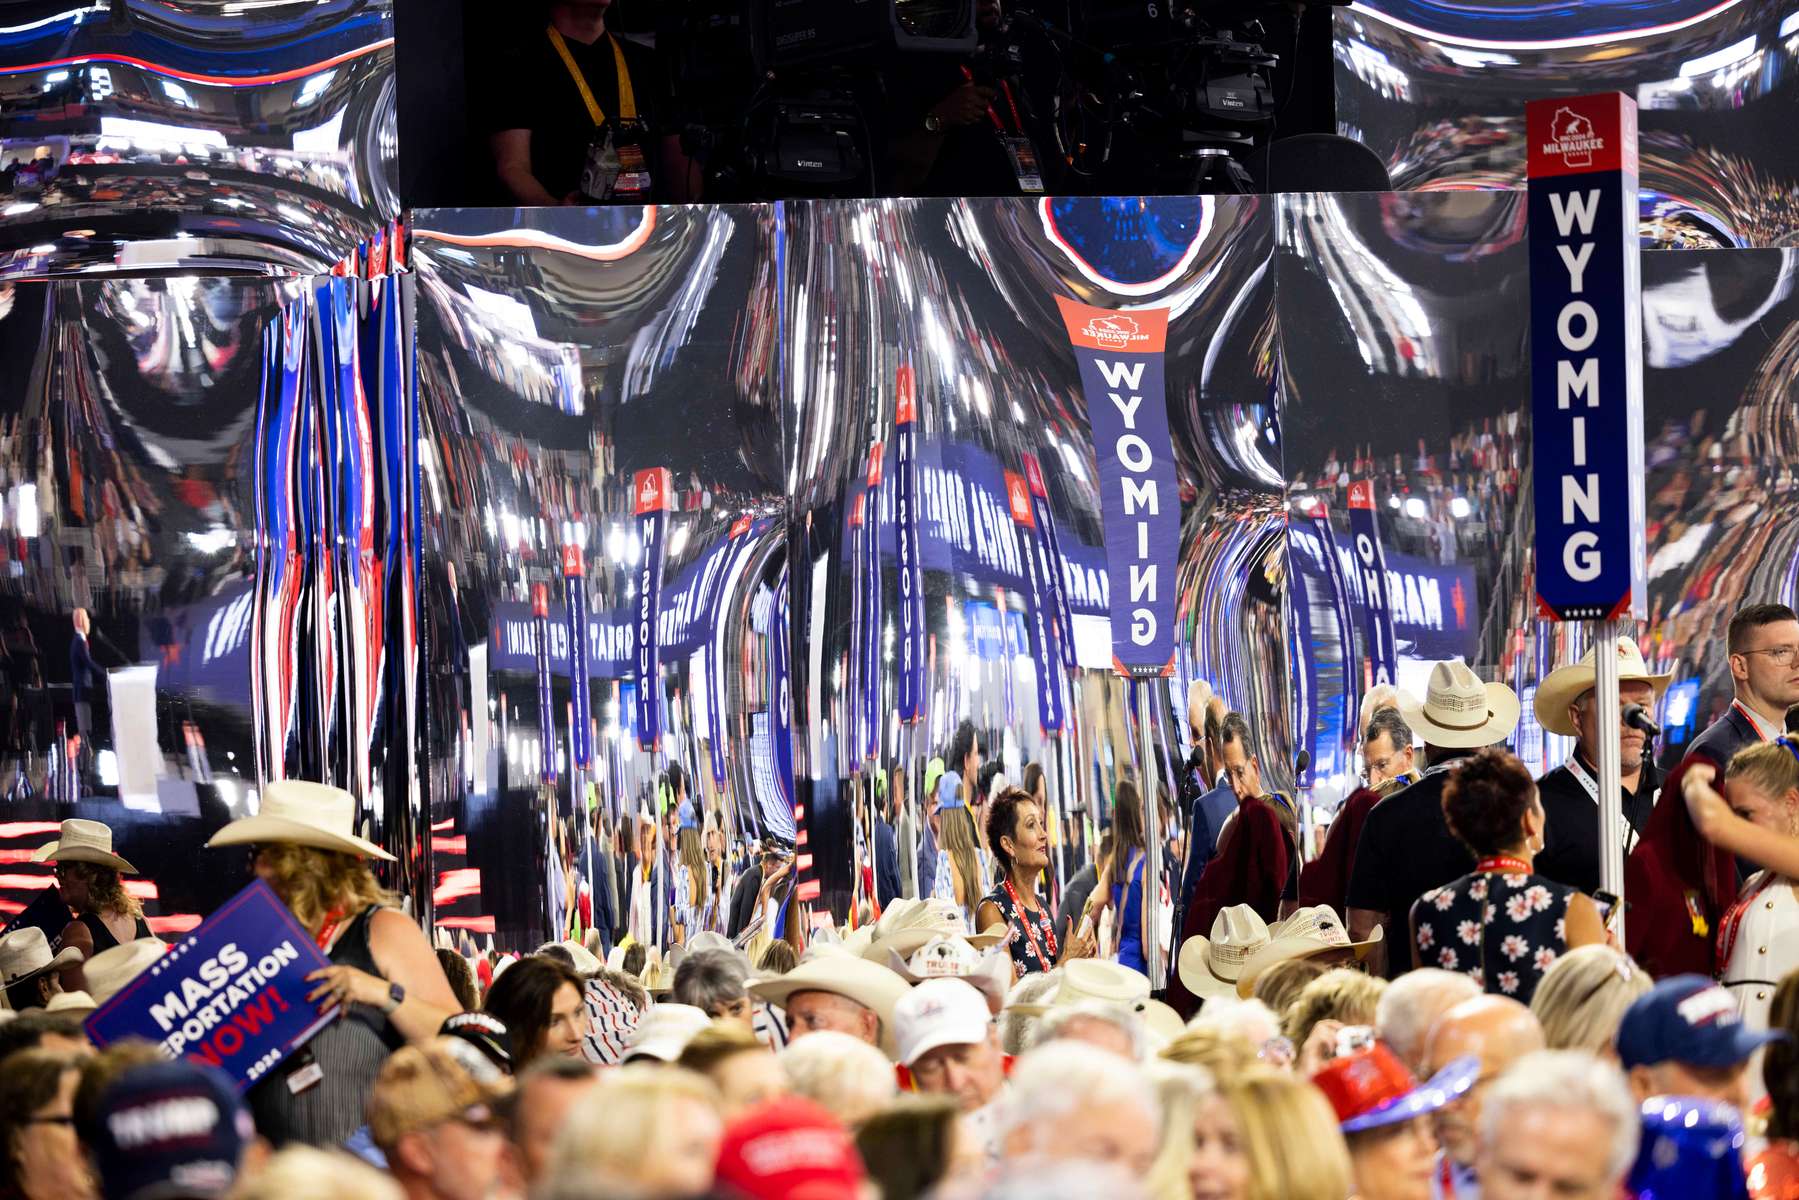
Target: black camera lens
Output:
[(931, 18)]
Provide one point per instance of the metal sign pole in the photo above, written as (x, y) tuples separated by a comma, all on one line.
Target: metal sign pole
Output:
[(1152, 835), (1611, 788)]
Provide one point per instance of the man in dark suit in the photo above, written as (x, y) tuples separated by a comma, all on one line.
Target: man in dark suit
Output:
[(743, 899), (1207, 801), (887, 873), (1679, 886)]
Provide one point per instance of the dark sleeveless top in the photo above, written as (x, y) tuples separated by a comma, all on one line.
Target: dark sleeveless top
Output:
[(350, 1051), (103, 938), (1028, 954)]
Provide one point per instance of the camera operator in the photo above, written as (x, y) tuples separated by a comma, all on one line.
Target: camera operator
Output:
[(580, 116), (960, 131)]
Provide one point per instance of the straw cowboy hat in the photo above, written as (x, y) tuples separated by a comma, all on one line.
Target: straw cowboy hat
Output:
[(1212, 966), (1459, 712), (987, 971), (109, 971), (71, 1002), (83, 841), (907, 925), (1565, 685), (871, 985), (1309, 931), (302, 814), (25, 954), (1103, 981)]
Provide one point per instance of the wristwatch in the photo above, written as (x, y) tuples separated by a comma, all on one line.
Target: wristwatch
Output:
[(933, 123), (396, 996)]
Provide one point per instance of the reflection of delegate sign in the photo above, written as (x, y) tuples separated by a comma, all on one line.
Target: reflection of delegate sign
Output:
[(1586, 357), (231, 994)]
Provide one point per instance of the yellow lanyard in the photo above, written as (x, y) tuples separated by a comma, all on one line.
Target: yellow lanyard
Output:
[(627, 98)]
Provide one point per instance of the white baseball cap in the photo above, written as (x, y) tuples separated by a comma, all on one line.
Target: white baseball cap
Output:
[(939, 1012)]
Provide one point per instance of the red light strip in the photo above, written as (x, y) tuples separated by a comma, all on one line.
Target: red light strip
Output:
[(127, 60)]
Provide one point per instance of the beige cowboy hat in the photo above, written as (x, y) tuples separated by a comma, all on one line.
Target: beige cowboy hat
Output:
[(871, 985), (586, 963), (109, 971), (1103, 981), (987, 971), (1307, 932), (25, 954), (1211, 967), (71, 1002), (908, 925), (83, 841), (1564, 685), (302, 814), (1459, 712)]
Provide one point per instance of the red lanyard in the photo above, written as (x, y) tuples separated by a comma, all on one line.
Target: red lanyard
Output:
[(1030, 928), (332, 919), (1505, 864), (1732, 924), (1754, 721), (1005, 90)]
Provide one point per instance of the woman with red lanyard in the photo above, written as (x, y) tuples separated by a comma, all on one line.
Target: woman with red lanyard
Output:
[(383, 973), (1020, 842)]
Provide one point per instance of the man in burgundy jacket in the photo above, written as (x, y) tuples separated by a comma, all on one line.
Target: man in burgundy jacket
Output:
[(1257, 854), (1387, 755)]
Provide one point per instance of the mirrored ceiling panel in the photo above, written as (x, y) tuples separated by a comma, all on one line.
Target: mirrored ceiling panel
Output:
[(600, 445), (1438, 89), (952, 577), (147, 135)]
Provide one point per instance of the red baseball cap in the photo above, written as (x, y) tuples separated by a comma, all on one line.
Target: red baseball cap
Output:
[(789, 1149)]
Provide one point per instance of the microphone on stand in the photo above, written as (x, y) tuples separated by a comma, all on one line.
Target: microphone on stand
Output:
[(1637, 717), (1301, 763)]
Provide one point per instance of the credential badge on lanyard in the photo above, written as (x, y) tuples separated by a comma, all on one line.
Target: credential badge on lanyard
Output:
[(615, 168)]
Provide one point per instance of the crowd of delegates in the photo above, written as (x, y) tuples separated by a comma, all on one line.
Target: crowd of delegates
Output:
[(1432, 1007)]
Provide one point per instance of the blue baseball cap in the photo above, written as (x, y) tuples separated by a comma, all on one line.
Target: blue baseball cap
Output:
[(949, 791), (1687, 1019), (165, 1130)]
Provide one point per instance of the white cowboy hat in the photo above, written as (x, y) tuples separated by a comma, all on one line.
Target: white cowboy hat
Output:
[(1104, 981), (707, 939), (586, 963), (872, 986), (1459, 712), (109, 971), (83, 841), (665, 1031), (1307, 932), (1565, 685), (1211, 966), (908, 925), (71, 1002), (302, 814), (987, 971), (25, 954)]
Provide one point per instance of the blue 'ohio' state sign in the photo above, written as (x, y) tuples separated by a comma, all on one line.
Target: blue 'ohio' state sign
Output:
[(1586, 358)]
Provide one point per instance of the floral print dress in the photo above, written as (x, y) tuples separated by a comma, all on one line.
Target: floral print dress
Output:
[(1502, 930)]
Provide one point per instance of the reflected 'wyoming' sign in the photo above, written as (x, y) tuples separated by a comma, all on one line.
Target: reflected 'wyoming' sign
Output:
[(1586, 358), (1120, 355)]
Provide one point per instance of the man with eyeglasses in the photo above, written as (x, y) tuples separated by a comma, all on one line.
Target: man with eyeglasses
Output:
[(1565, 705), (1763, 644), (950, 1044), (433, 1121), (1678, 885), (1388, 765)]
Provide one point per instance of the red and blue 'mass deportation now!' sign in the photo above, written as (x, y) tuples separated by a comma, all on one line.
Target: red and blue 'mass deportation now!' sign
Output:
[(232, 994), (1586, 358)]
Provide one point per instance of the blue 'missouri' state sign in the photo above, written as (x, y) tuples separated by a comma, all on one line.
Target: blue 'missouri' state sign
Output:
[(1586, 358), (1120, 355)]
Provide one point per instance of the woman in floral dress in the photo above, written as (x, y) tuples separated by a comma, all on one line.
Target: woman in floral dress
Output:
[(1502, 925)]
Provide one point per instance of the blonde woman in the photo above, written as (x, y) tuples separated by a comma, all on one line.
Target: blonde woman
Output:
[(958, 857), (646, 1131), (693, 899), (88, 874), (1191, 1162), (1341, 995), (1287, 1131), (383, 970), (1582, 998)]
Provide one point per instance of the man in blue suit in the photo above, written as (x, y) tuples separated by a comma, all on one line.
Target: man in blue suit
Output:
[(887, 872)]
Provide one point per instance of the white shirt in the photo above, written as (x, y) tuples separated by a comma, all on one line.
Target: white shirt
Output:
[(1765, 951)]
